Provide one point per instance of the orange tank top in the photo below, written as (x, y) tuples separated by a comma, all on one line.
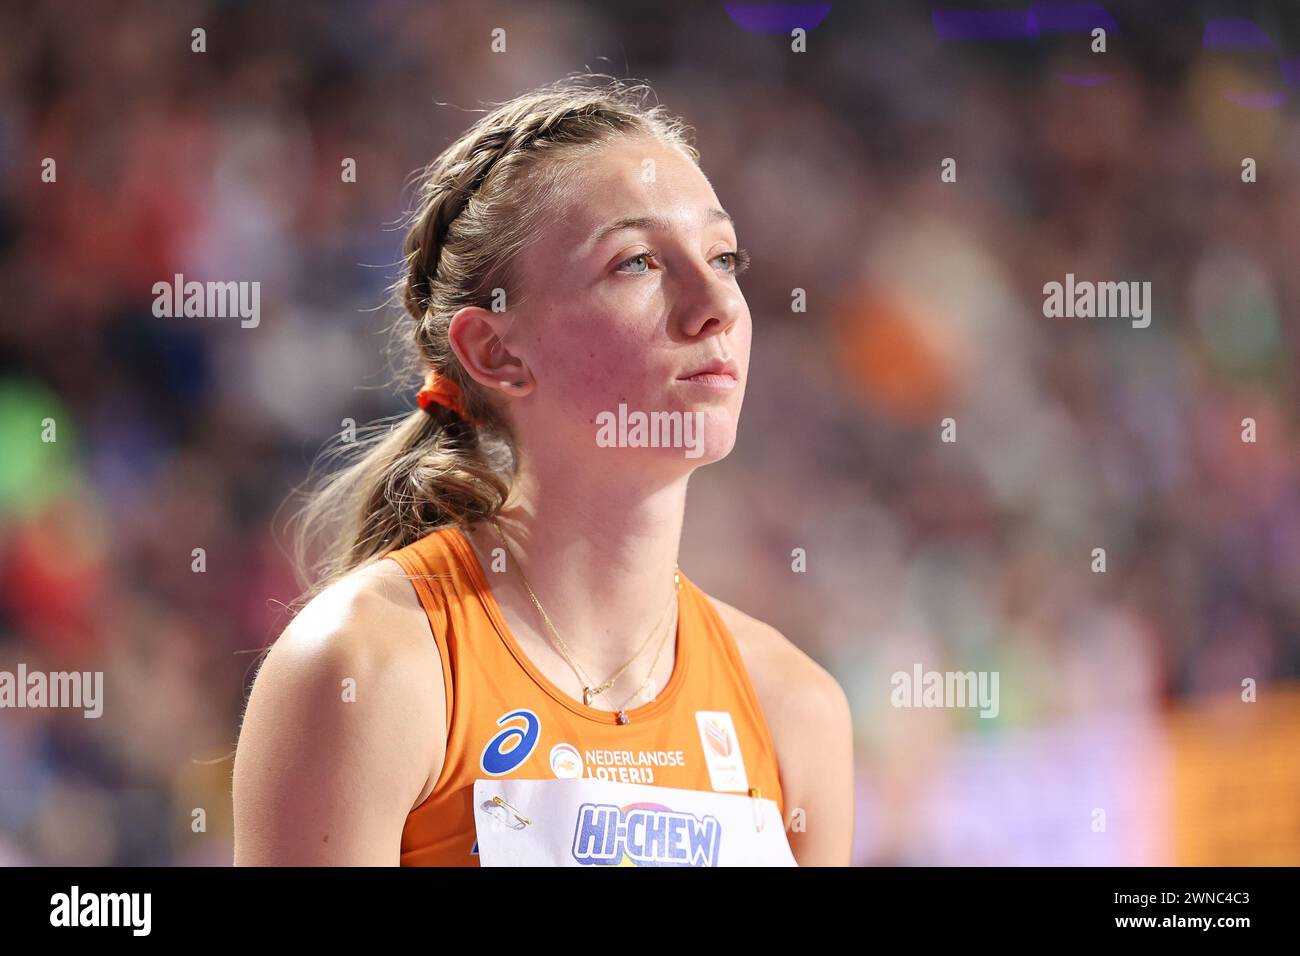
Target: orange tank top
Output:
[(506, 718)]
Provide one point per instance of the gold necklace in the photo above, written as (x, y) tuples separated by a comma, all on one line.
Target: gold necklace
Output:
[(588, 691), (622, 711)]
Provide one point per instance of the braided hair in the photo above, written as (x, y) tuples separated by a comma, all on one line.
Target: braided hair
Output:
[(478, 205)]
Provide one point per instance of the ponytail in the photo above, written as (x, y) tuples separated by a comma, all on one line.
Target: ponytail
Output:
[(479, 204)]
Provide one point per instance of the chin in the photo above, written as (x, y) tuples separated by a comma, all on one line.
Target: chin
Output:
[(719, 437), (677, 460)]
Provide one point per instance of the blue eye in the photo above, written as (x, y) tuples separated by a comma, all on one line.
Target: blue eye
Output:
[(739, 261), (642, 255)]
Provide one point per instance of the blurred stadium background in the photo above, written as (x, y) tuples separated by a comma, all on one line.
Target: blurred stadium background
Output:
[(1119, 691)]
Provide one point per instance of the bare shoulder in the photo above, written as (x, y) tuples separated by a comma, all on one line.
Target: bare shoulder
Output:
[(368, 624), (344, 722), (368, 615), (808, 714), (787, 674)]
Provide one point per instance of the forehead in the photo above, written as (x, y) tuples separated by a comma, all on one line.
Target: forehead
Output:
[(627, 177)]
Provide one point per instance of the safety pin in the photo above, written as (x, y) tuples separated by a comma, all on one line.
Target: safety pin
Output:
[(757, 795), (499, 801)]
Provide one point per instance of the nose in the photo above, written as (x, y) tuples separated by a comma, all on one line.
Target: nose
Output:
[(710, 304)]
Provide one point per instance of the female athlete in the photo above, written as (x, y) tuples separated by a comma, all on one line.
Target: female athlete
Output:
[(499, 598)]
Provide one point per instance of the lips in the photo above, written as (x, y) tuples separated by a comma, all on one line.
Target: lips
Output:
[(719, 368)]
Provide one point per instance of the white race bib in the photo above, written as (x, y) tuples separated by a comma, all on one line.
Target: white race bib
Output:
[(591, 822)]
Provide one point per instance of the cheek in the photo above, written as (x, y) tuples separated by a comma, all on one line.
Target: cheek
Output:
[(741, 341), (603, 353), (594, 365)]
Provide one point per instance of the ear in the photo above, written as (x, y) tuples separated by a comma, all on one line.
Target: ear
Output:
[(477, 337)]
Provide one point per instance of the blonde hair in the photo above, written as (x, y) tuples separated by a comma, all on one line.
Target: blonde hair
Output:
[(479, 203)]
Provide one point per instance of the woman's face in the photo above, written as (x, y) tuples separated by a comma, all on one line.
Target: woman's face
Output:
[(629, 290)]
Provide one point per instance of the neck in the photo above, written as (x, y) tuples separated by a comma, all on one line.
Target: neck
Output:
[(599, 558)]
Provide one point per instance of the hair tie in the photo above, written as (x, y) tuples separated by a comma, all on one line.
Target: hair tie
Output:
[(440, 390)]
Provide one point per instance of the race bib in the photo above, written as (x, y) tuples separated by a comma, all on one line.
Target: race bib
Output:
[(591, 822)]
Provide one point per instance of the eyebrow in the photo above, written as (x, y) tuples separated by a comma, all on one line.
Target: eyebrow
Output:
[(652, 223)]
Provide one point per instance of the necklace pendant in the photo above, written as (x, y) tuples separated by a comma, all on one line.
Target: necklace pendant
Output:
[(622, 718), (587, 695)]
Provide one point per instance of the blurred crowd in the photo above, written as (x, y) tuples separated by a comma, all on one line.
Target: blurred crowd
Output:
[(923, 303)]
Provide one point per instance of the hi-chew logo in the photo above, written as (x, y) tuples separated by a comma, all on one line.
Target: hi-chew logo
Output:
[(512, 746), (644, 834)]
